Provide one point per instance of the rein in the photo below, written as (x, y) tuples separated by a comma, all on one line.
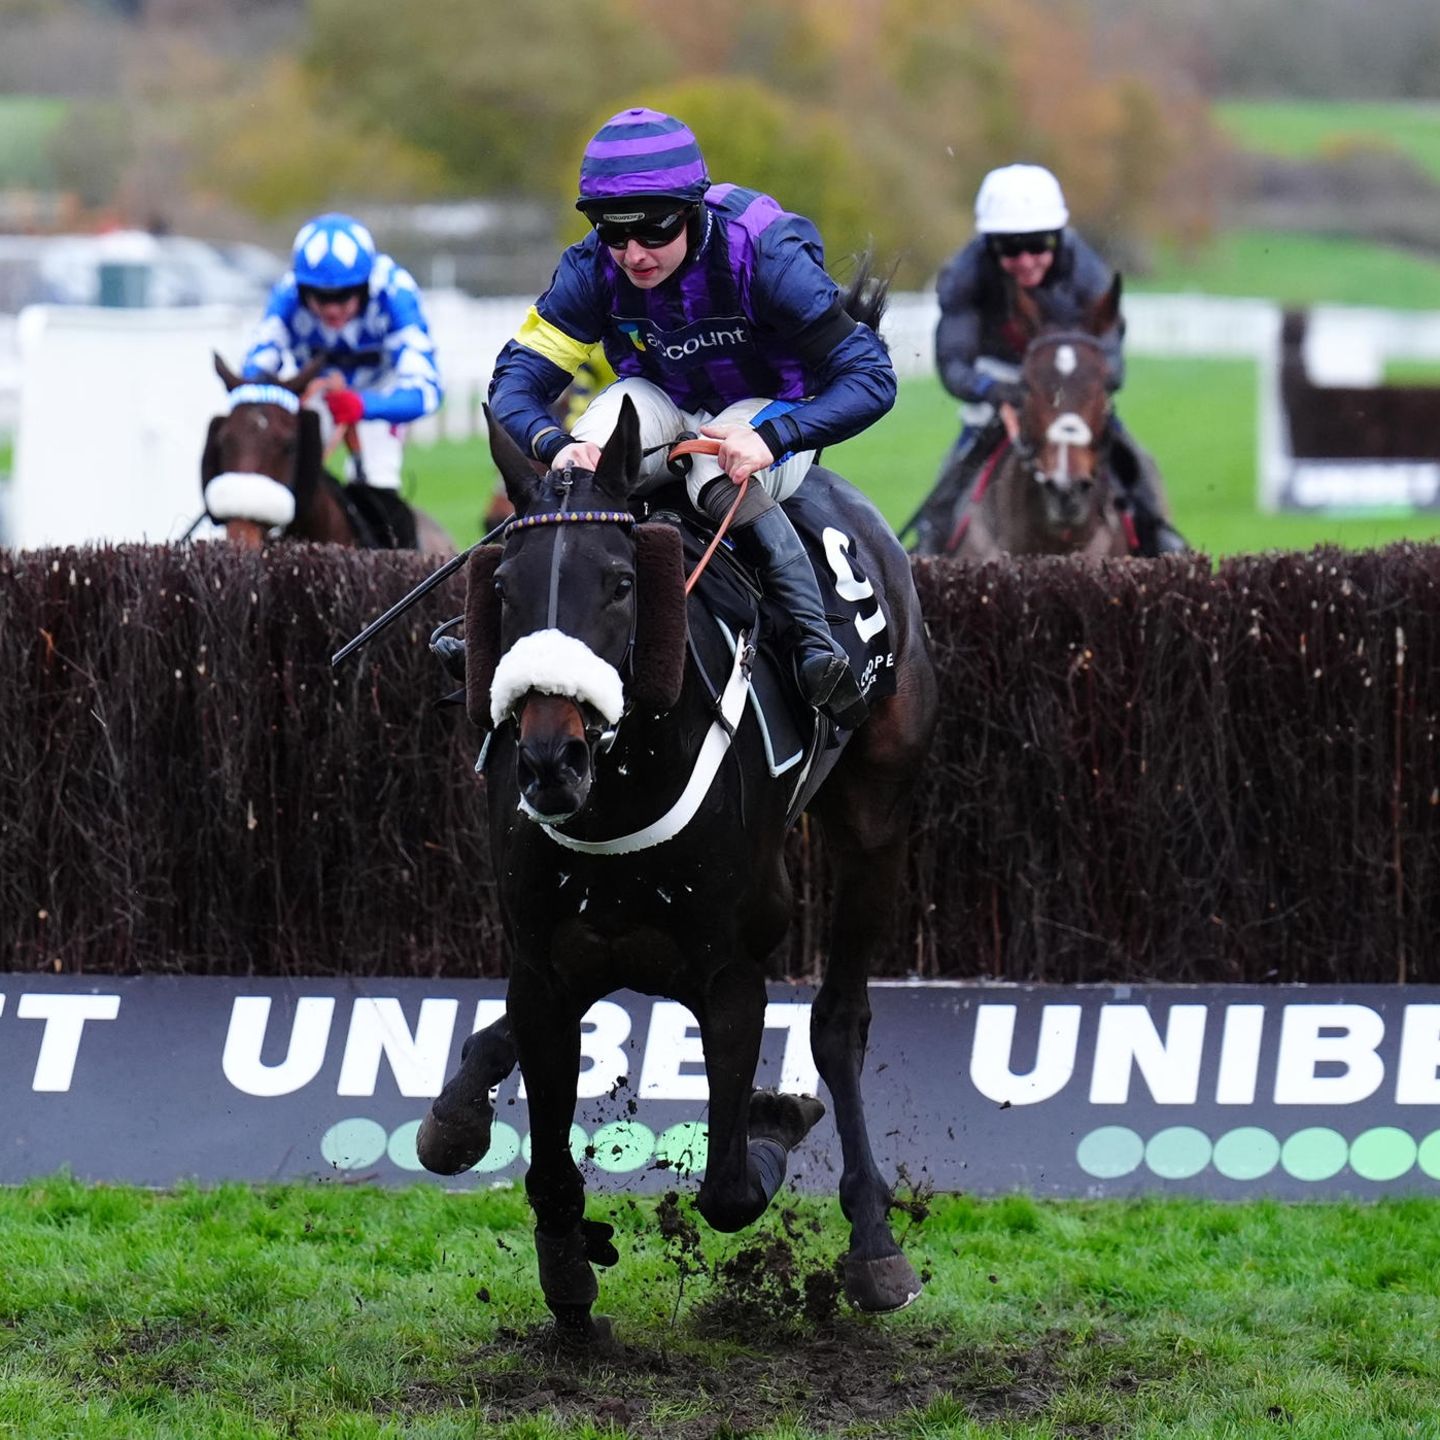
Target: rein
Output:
[(706, 445)]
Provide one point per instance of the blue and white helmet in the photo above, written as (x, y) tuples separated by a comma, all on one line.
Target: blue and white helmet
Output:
[(333, 252)]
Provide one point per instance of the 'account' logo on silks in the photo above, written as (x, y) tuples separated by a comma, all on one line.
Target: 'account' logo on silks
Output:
[(632, 330)]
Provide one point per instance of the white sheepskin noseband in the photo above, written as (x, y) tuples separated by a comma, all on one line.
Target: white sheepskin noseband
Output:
[(241, 495), (555, 664)]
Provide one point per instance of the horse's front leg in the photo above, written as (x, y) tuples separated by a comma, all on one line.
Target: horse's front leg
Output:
[(751, 1131), (455, 1132), (546, 1027)]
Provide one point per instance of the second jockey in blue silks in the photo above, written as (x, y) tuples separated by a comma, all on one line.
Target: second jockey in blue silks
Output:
[(715, 310), (360, 311)]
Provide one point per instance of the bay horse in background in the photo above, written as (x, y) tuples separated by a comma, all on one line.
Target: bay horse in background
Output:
[(263, 470), (1049, 488), (637, 838)]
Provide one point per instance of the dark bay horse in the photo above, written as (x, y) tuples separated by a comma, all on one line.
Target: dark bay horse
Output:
[(263, 469), (638, 842), (1049, 489)]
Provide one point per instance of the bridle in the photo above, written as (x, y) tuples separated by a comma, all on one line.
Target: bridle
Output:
[(600, 733)]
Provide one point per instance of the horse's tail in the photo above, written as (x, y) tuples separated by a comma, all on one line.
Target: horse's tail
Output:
[(868, 293)]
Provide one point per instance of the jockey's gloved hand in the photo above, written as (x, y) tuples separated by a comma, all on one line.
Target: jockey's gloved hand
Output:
[(1006, 392), (346, 406)]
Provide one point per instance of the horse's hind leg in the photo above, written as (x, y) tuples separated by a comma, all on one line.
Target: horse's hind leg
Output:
[(751, 1131), (547, 1034), (866, 810), (455, 1132)]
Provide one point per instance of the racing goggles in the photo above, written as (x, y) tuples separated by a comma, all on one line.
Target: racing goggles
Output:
[(1007, 247), (617, 228), (315, 295)]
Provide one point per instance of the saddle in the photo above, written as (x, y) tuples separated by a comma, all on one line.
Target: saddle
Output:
[(730, 594)]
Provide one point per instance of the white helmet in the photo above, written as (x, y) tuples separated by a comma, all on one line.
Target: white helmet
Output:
[(1020, 200)]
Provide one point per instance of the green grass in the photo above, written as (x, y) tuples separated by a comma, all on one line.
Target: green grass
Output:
[(1296, 269), (1197, 416), (1327, 129), (336, 1311), (26, 123)]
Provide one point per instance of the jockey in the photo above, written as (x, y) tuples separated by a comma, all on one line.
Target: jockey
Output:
[(1023, 237), (362, 312), (715, 310)]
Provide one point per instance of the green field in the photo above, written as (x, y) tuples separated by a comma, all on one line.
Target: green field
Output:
[(1333, 128), (1298, 269), (1197, 416), (26, 124), (347, 1312)]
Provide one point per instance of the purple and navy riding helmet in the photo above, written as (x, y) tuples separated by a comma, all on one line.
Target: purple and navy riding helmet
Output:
[(641, 162)]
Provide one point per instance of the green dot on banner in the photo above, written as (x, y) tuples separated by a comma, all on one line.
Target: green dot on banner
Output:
[(1109, 1152), (353, 1144), (623, 1145), (684, 1147), (1316, 1153), (579, 1143), (1428, 1155), (1178, 1152), (1384, 1153), (504, 1147), (401, 1148), (1246, 1153)]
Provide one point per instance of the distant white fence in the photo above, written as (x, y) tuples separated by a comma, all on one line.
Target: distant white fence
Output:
[(112, 415), (110, 407)]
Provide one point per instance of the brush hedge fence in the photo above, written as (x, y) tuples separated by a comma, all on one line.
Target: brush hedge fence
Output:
[(1158, 771)]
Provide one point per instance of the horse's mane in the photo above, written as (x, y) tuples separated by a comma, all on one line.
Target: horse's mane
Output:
[(867, 294)]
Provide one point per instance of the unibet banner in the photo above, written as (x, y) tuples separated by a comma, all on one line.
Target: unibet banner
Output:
[(1222, 1090)]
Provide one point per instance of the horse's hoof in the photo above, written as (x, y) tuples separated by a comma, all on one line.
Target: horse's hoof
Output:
[(787, 1119), (575, 1328), (565, 1274), (448, 1146), (877, 1286)]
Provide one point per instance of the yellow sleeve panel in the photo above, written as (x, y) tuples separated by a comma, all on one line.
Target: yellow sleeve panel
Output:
[(539, 335), (599, 368)]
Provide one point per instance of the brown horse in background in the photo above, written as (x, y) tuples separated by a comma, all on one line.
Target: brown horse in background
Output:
[(1048, 490), (264, 470)]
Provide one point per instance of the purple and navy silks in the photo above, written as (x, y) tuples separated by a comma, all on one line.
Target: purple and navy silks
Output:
[(751, 314), (394, 366)]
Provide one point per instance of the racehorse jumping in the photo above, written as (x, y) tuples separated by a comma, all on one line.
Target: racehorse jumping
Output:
[(638, 834), (263, 470), (1049, 488)]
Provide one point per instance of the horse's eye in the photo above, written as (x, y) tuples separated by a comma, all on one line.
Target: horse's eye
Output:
[(623, 586)]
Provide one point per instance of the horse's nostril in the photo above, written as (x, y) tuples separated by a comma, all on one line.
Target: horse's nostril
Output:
[(575, 757), (565, 763)]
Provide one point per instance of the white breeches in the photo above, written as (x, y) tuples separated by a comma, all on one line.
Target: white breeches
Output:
[(662, 421), (382, 448)]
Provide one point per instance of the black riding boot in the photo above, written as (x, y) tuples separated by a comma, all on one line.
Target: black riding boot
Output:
[(771, 547), (1154, 532)]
